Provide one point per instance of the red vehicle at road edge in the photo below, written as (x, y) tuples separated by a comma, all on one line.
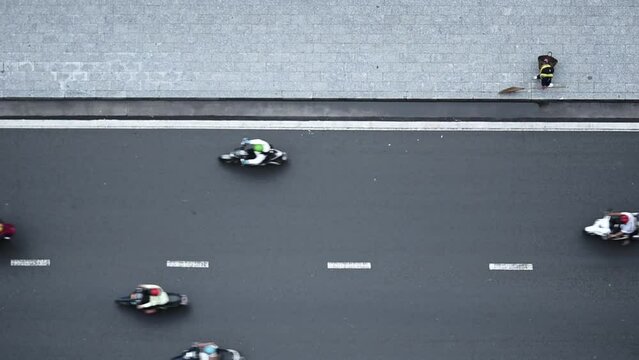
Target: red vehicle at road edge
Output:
[(6, 230)]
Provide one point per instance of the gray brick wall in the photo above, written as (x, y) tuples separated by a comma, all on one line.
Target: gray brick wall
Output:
[(319, 49)]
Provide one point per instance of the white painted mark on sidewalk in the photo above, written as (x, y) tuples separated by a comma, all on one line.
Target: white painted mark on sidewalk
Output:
[(336, 125), (187, 264), (510, 267), (348, 265), (30, 262)]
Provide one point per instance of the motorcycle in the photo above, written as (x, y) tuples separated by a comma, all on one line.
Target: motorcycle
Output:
[(6, 230), (602, 227), (136, 297), (273, 157), (193, 352)]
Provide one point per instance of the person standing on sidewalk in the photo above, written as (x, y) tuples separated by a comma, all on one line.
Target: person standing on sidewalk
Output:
[(546, 71)]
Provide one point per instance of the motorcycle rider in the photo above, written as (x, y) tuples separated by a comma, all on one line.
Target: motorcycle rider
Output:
[(201, 351), (257, 150), (6, 230), (207, 351), (152, 296), (627, 227)]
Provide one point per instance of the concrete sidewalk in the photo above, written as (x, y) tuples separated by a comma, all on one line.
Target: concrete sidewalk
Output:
[(317, 49)]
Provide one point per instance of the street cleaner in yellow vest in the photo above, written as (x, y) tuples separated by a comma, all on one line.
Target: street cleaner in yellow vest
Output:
[(546, 71)]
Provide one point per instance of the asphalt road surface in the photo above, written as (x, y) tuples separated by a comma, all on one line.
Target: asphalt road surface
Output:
[(429, 210)]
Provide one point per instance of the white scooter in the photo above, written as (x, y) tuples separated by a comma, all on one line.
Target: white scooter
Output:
[(601, 227)]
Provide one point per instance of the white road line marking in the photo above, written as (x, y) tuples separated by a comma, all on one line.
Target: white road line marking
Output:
[(510, 266), (187, 264), (30, 262), (348, 265), (337, 125)]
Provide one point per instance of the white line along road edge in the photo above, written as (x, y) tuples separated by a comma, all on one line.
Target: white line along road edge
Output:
[(359, 125), (348, 265), (30, 262), (187, 264), (526, 267)]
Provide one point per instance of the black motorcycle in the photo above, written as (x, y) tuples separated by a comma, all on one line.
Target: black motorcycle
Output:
[(136, 298), (221, 354), (273, 157)]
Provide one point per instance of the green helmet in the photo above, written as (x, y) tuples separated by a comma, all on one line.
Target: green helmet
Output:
[(258, 147)]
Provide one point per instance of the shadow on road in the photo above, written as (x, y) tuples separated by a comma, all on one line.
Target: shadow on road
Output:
[(257, 172), (160, 318), (8, 250), (612, 248)]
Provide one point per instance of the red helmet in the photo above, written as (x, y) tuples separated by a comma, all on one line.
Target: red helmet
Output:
[(624, 219), (154, 292)]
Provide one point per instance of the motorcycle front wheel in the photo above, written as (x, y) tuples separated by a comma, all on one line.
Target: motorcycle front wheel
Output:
[(125, 300), (228, 159)]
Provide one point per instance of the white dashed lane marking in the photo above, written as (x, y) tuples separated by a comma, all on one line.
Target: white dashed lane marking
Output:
[(30, 262), (348, 265), (187, 264), (515, 267)]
